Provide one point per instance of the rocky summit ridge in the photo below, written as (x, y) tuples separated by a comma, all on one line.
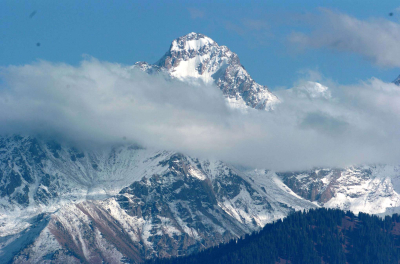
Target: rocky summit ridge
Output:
[(59, 204), (196, 57)]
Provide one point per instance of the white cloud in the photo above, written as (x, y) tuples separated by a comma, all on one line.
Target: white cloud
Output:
[(102, 103), (375, 39)]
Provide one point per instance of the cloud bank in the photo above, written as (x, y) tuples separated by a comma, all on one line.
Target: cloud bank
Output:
[(106, 103), (376, 39)]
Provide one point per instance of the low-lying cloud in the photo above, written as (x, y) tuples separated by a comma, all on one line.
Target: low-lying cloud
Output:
[(375, 39), (106, 103)]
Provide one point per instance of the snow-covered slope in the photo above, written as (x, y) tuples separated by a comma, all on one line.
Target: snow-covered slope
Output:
[(63, 204), (369, 189), (197, 58)]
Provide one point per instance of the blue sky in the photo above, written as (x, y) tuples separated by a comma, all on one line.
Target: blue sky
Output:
[(259, 32)]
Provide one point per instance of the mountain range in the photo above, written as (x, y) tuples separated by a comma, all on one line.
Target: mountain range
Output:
[(61, 203)]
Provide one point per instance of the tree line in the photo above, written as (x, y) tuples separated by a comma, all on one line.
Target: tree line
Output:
[(315, 236)]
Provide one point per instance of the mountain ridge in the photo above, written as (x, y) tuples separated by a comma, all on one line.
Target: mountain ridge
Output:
[(128, 203), (159, 203), (195, 57)]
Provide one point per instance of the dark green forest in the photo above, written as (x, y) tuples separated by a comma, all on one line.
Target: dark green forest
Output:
[(316, 236)]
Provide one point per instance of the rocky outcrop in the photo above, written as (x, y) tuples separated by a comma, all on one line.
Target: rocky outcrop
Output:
[(125, 204), (196, 57)]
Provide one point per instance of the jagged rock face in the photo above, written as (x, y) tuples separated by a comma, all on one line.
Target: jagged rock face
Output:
[(37, 172), (176, 204), (370, 189), (316, 185), (125, 204), (197, 57), (22, 167)]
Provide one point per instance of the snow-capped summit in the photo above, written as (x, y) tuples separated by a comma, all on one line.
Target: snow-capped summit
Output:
[(191, 41), (196, 57)]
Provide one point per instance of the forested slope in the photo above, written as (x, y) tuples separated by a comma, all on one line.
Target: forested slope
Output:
[(317, 236)]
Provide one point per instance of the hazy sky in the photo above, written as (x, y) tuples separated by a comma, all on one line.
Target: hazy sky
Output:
[(262, 33)]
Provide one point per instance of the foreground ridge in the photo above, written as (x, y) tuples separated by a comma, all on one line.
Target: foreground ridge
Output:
[(317, 236)]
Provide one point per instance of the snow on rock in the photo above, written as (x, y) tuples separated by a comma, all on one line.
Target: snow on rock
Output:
[(370, 189), (62, 204), (129, 203), (125, 203), (197, 58)]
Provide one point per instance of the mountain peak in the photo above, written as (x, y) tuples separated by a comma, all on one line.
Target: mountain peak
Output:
[(196, 57), (194, 46), (191, 41)]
